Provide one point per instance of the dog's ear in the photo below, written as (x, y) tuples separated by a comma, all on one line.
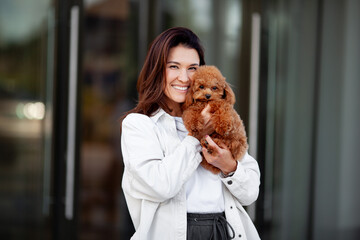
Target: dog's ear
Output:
[(229, 95), (188, 98)]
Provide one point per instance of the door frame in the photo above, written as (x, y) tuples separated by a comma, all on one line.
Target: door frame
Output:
[(66, 154)]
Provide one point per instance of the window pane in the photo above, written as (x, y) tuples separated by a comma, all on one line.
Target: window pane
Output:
[(26, 80)]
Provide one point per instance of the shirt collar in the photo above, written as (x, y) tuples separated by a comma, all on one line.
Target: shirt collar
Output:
[(157, 114)]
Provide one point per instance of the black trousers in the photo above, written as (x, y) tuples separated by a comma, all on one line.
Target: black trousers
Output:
[(208, 226)]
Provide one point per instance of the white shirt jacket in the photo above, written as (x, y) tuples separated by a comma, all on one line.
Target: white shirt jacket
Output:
[(157, 166)]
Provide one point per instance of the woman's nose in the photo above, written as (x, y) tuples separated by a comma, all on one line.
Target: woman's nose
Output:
[(183, 75)]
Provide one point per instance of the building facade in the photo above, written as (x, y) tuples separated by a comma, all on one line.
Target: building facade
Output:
[(68, 71)]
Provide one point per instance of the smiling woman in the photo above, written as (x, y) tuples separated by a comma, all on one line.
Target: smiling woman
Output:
[(164, 185), (182, 64), (164, 58)]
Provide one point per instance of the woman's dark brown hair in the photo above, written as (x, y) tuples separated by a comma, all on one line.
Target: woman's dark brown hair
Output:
[(150, 85)]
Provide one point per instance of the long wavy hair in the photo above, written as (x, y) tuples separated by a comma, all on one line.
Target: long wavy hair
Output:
[(151, 81)]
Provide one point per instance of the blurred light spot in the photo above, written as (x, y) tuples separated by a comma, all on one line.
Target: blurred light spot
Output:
[(20, 111), (31, 110)]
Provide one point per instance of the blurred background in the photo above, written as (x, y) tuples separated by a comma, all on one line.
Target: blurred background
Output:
[(68, 70)]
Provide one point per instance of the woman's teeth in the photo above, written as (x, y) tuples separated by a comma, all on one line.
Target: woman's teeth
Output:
[(180, 88)]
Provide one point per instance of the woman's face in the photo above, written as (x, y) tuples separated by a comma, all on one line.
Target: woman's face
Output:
[(181, 65)]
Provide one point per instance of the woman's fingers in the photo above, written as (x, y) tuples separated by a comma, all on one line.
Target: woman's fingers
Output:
[(211, 147), (208, 126), (214, 145), (210, 142), (205, 113), (219, 155), (223, 146)]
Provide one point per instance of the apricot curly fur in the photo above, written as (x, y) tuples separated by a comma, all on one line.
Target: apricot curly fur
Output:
[(209, 87)]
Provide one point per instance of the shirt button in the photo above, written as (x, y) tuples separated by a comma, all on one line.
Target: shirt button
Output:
[(239, 235), (229, 182), (230, 207)]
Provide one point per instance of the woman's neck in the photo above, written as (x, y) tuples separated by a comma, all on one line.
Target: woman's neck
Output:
[(173, 108)]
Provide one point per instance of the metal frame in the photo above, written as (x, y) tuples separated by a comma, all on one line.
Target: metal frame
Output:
[(66, 119)]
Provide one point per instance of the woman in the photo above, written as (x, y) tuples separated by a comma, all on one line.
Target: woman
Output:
[(169, 195)]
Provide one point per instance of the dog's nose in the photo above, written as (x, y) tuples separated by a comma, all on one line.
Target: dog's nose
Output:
[(207, 96)]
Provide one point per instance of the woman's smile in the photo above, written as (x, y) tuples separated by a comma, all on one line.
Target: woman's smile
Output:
[(181, 88)]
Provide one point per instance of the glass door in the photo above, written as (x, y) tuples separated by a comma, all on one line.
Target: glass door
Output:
[(109, 70), (27, 53), (38, 118), (310, 126)]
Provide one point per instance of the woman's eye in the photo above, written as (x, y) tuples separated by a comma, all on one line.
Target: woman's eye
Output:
[(173, 67), (214, 88), (201, 87), (193, 68)]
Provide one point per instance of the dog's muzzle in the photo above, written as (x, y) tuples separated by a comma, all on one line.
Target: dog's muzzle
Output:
[(208, 96)]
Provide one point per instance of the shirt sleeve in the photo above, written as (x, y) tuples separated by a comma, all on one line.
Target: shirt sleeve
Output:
[(151, 174), (244, 183)]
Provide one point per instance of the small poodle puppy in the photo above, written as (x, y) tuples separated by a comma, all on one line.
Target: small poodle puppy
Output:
[(209, 87)]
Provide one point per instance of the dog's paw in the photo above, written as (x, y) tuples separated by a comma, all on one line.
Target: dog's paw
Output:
[(205, 144)]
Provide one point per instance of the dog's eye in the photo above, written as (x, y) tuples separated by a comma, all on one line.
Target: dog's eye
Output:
[(214, 88), (201, 87)]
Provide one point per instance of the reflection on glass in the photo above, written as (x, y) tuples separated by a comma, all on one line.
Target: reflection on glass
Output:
[(109, 59), (218, 24), (24, 67)]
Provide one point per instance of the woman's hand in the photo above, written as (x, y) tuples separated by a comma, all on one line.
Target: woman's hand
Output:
[(220, 157), (208, 125)]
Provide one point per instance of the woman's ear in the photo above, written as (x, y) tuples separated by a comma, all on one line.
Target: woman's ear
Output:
[(229, 95)]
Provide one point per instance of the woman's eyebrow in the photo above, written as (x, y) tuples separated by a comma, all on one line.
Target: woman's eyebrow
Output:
[(174, 62)]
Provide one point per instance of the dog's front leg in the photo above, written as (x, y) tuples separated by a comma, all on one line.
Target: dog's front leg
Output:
[(222, 119), (193, 122)]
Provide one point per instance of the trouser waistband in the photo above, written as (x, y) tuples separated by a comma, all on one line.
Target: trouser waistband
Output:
[(216, 220)]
